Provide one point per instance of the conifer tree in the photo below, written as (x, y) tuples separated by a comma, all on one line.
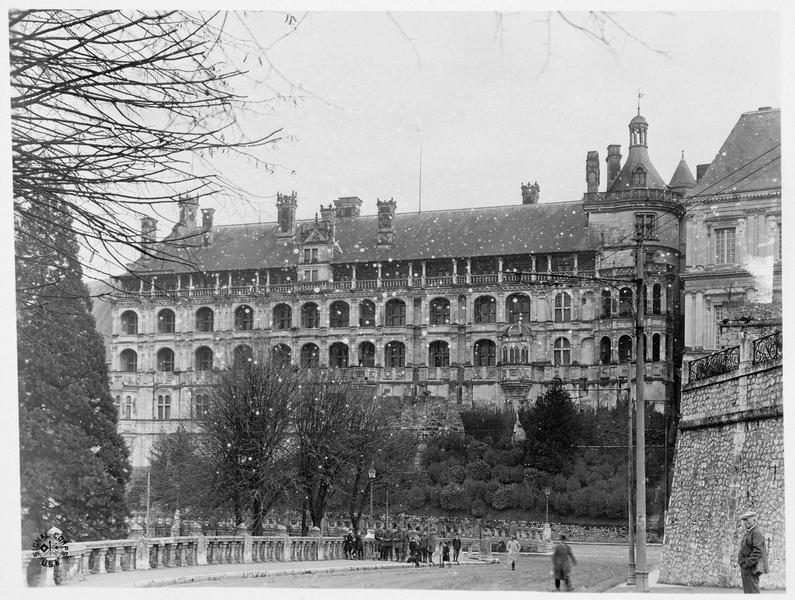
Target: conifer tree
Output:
[(552, 426), (73, 463)]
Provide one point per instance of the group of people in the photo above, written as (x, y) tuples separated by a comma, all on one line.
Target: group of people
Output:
[(416, 546)]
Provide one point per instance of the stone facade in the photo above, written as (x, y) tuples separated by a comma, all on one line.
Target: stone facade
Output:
[(480, 307), (729, 459)]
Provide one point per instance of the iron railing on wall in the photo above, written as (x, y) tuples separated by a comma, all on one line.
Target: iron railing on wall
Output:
[(768, 347), (719, 363)]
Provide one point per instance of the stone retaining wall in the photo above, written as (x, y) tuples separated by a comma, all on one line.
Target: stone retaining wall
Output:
[(729, 458)]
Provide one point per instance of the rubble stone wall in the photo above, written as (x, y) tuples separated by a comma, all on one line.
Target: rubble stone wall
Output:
[(729, 458)]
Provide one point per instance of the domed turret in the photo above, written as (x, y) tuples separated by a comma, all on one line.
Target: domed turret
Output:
[(682, 181), (638, 171)]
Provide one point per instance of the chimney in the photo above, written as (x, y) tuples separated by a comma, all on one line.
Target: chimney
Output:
[(285, 207), (207, 225), (328, 216), (148, 231), (187, 211), (348, 206), (386, 222), (700, 170), (613, 163), (530, 193), (592, 171)]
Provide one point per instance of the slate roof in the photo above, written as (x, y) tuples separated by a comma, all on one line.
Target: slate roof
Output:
[(638, 155), (739, 166), (683, 176), (501, 230)]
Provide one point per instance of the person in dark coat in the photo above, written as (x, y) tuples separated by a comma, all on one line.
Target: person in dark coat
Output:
[(347, 544), (445, 558), (424, 546), (562, 561), (358, 546), (456, 548), (752, 557), (431, 545), (414, 551), (379, 541)]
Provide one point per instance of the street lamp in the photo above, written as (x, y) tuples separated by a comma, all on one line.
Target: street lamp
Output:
[(547, 492), (371, 475)]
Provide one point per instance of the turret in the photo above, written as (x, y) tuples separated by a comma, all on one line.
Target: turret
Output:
[(638, 171), (682, 180), (207, 225), (530, 193), (148, 232)]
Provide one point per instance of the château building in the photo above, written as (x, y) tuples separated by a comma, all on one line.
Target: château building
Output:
[(479, 306), (733, 229)]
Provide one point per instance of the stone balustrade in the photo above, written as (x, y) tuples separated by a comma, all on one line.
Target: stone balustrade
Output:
[(141, 553)]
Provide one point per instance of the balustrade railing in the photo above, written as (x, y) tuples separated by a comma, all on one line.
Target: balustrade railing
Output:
[(768, 347), (719, 363)]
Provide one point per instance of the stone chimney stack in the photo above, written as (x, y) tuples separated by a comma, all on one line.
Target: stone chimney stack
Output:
[(613, 163), (328, 217), (530, 193), (700, 170), (148, 232), (386, 222), (207, 225), (187, 211), (348, 206), (592, 171), (285, 207)]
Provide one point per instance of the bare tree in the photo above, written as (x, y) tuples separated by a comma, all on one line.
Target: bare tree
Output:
[(114, 113), (249, 437)]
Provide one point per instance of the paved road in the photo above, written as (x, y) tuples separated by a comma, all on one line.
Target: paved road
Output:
[(599, 567)]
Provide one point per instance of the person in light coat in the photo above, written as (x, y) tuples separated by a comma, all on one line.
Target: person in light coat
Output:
[(513, 548)]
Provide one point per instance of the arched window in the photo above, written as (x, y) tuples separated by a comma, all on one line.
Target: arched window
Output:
[(624, 348), (204, 358), (163, 407), (655, 347), (562, 352), (128, 408), (166, 320), (656, 299), (440, 311), (282, 316), (165, 360), (605, 350), (117, 404), (439, 354), (607, 303), (395, 313), (242, 355), (129, 322), (339, 314), (338, 356), (525, 355), (625, 302), (395, 355), (310, 316), (518, 308), (129, 361), (281, 354), (244, 318), (366, 313), (366, 354), (485, 354), (201, 404), (310, 356), (562, 307), (204, 319), (485, 310)]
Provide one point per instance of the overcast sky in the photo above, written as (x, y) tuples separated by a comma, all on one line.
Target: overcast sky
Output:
[(493, 99)]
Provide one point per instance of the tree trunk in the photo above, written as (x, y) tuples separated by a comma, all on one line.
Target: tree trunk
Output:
[(256, 514), (304, 527)]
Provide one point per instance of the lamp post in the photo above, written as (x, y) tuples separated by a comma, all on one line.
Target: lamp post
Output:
[(371, 475), (547, 492)]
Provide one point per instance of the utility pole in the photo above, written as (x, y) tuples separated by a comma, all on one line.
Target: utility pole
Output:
[(641, 574), (630, 513)]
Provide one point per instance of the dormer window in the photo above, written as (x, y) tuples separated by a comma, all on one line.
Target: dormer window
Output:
[(639, 177), (310, 255)]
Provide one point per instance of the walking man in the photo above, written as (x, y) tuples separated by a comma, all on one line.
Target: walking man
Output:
[(456, 548), (513, 548), (752, 557), (562, 561)]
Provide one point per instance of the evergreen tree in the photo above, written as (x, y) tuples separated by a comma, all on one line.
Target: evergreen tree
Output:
[(74, 464), (552, 426), (179, 472)]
